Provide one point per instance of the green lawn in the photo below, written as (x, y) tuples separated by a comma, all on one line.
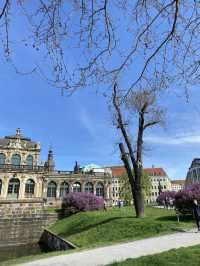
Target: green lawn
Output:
[(100, 228), (179, 257), (91, 229)]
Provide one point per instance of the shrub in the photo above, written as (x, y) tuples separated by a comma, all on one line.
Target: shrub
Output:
[(184, 198), (166, 197), (82, 201)]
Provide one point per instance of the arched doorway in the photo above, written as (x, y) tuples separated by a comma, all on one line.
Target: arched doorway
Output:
[(13, 188), (64, 189), (100, 189), (89, 187), (29, 188), (76, 187), (16, 161), (29, 161), (51, 190)]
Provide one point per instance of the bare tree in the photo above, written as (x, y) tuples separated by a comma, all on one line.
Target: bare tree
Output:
[(142, 104), (108, 40)]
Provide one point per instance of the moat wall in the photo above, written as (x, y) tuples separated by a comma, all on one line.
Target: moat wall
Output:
[(23, 221)]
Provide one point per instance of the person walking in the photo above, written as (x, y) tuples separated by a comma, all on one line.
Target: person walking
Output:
[(196, 211)]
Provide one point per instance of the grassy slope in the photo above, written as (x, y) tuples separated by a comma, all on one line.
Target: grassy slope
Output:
[(92, 229), (179, 257)]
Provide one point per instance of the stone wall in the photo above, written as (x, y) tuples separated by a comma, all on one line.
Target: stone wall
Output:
[(23, 221), (54, 242)]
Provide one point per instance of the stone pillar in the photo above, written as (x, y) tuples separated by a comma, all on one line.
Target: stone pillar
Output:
[(22, 189), (58, 191), (94, 187), (38, 189), (4, 190), (70, 187), (44, 193)]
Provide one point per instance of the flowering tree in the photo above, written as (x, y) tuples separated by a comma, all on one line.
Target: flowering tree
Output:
[(166, 197), (82, 201), (184, 198)]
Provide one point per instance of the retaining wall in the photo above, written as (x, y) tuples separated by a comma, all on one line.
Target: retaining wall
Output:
[(54, 242), (23, 221)]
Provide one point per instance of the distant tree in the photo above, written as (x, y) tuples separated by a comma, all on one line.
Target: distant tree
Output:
[(125, 187)]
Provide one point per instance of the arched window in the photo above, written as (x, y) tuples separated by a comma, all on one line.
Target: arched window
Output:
[(51, 190), (0, 185), (89, 187), (2, 159), (29, 187), (76, 187), (29, 161), (13, 188), (16, 160), (99, 189), (64, 189)]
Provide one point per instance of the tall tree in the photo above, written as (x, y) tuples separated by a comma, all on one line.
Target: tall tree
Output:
[(143, 105), (125, 188)]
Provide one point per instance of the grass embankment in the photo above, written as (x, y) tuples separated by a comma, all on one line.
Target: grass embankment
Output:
[(91, 229), (100, 228), (179, 257)]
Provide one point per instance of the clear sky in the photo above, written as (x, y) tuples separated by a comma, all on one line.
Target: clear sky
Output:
[(80, 127)]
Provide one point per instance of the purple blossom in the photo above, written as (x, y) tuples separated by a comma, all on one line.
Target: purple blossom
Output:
[(82, 201), (166, 197), (184, 198)]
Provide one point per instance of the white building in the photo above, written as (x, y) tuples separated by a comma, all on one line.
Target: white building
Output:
[(177, 185)]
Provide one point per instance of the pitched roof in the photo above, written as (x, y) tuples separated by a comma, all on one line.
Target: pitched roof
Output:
[(155, 171), (117, 170), (178, 182)]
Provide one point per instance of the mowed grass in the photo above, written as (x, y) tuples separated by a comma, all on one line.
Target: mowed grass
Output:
[(179, 257), (99, 228)]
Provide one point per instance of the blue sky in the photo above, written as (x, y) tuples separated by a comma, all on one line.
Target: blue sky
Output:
[(80, 127)]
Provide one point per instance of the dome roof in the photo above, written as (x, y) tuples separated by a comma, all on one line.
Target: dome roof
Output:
[(90, 167)]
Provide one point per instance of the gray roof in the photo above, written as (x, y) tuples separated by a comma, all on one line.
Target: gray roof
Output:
[(25, 142)]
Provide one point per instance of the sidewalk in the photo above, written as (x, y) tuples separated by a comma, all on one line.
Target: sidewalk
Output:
[(119, 252)]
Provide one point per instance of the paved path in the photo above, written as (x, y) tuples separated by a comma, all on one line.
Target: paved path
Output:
[(109, 254)]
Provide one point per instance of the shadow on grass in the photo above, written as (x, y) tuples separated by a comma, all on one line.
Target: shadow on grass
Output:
[(186, 218), (76, 230)]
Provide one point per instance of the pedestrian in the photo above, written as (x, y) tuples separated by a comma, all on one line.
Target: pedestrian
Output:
[(196, 211), (119, 204)]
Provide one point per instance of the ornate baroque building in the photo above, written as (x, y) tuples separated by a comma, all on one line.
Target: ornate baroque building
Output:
[(21, 177)]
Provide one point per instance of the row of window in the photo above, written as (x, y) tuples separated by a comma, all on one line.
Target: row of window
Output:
[(16, 159), (156, 187), (14, 184), (159, 179), (76, 187), (154, 194)]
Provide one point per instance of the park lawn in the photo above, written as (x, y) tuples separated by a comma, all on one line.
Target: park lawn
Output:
[(176, 257), (100, 228)]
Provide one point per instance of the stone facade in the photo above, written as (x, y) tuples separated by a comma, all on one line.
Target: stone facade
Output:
[(16, 217), (21, 177), (177, 185)]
